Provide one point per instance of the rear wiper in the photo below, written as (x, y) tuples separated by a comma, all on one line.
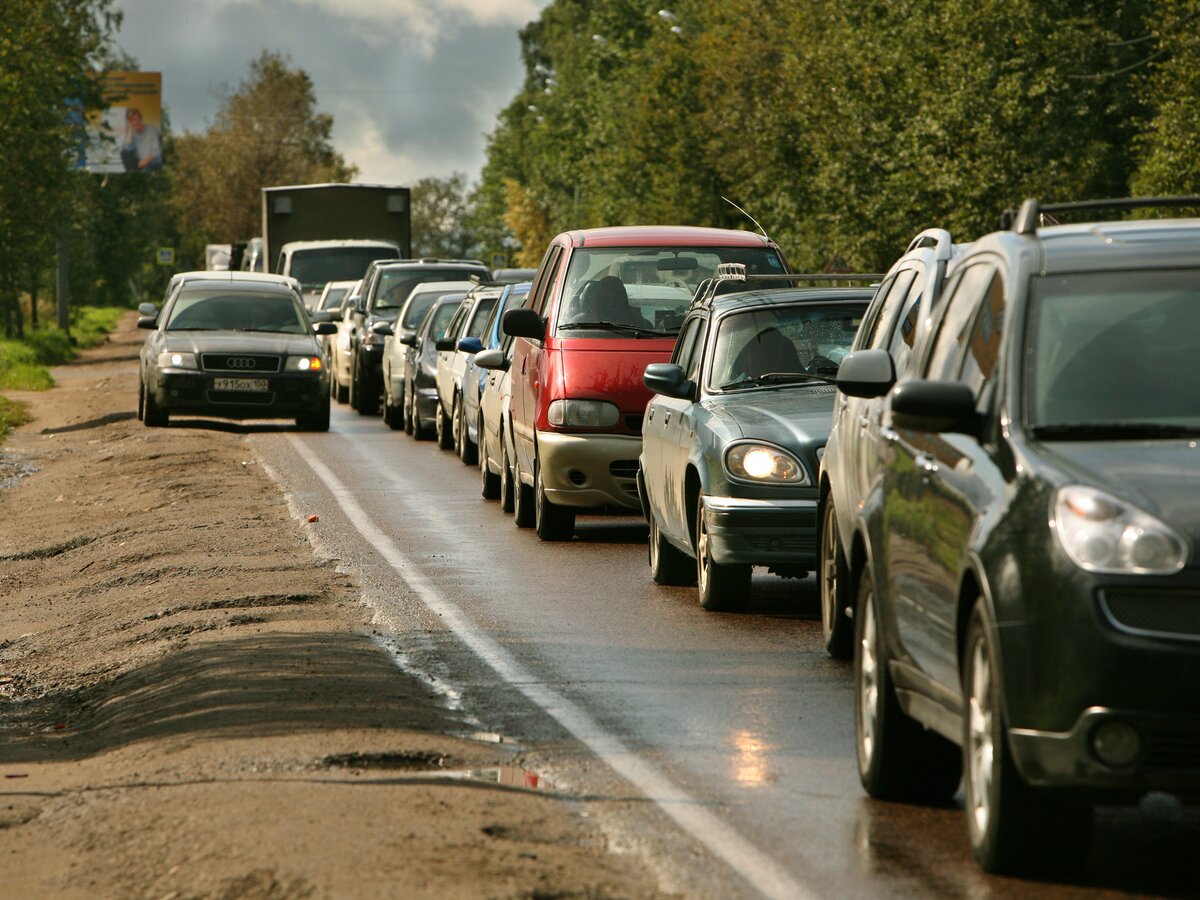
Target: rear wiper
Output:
[(623, 327), (775, 378), (1121, 430)]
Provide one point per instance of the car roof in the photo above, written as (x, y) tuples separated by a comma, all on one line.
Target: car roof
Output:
[(257, 287), (342, 284), (431, 263), (787, 296), (445, 286), (362, 242), (665, 235), (234, 275)]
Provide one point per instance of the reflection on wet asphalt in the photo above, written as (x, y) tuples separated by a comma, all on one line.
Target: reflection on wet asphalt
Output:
[(744, 711)]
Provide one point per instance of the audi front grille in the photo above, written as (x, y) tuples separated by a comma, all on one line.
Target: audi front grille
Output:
[(239, 363)]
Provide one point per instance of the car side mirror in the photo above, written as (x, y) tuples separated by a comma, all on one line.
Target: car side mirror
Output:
[(148, 322), (382, 328), (319, 315), (934, 406), (524, 323), (408, 340), (147, 309), (669, 380), (470, 345), (866, 373), (324, 328), (492, 359)]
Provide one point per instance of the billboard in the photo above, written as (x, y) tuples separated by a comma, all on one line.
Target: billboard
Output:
[(126, 136)]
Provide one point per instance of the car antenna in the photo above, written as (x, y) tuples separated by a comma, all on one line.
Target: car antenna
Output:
[(762, 230)]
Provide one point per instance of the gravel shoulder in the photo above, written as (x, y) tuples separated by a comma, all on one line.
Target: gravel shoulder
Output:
[(193, 705)]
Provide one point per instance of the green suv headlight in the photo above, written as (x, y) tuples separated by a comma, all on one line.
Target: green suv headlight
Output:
[(765, 464), (1101, 533)]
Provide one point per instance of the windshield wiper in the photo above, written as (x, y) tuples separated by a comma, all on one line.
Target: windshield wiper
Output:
[(1085, 431), (775, 378), (622, 327)]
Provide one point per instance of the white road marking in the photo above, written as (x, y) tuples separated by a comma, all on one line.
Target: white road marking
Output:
[(757, 868)]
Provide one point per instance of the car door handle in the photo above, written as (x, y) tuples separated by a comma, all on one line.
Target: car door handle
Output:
[(524, 364), (650, 416), (863, 421), (667, 418)]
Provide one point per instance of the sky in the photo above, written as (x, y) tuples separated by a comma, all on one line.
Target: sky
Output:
[(414, 86)]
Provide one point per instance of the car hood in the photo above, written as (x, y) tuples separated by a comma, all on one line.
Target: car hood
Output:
[(1154, 475), (241, 342), (611, 370), (788, 416)]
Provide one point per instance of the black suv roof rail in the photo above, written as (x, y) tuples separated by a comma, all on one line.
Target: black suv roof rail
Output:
[(1029, 216), (736, 272)]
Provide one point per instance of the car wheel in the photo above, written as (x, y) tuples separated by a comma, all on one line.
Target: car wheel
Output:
[(317, 420), (722, 587), (507, 492), (837, 628), (342, 392), (141, 400), (354, 388), (523, 511), (468, 450), (668, 565), (898, 759), (419, 431), (444, 428), (551, 521), (1014, 829), (489, 482), (393, 414), (366, 394), (152, 417), (409, 413)]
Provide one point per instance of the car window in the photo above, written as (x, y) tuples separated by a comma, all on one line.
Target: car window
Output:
[(419, 305), (683, 346), (454, 329), (904, 334), (395, 285), (549, 274), (695, 353), (952, 328), (480, 317), (983, 346), (523, 301), (881, 328), (439, 320), (201, 309)]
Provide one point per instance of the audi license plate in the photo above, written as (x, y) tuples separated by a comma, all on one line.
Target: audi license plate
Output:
[(239, 384)]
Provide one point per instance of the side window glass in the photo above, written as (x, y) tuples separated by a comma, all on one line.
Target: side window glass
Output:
[(456, 323), (683, 346), (904, 335), (871, 319), (952, 329), (696, 351), (546, 284), (983, 347), (882, 327)]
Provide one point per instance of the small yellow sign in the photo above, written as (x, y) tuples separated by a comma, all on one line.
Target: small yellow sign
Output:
[(166, 256)]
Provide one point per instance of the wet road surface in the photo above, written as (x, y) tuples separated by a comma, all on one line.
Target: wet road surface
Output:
[(737, 725)]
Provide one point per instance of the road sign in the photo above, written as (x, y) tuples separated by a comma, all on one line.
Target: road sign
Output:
[(499, 260), (166, 256)]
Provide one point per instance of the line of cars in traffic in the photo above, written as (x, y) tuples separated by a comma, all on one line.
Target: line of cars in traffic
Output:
[(986, 455)]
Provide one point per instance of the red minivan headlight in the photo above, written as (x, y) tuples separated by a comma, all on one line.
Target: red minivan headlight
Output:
[(583, 414)]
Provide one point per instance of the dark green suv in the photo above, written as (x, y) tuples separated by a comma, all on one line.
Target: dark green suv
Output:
[(1031, 591)]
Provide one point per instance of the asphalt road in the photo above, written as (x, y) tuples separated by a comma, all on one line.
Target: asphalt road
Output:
[(720, 746)]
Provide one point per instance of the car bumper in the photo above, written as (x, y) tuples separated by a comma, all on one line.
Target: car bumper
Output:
[(1167, 757), (761, 532), (590, 470), (287, 395)]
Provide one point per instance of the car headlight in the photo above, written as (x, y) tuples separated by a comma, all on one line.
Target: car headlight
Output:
[(1103, 534), (303, 364), (764, 463), (583, 413), (173, 359)]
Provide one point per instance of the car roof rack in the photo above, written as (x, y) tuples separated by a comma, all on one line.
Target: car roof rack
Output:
[(1027, 219), (937, 238), (728, 273)]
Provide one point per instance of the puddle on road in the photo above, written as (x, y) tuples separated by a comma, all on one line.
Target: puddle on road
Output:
[(13, 470), (512, 776), (431, 765)]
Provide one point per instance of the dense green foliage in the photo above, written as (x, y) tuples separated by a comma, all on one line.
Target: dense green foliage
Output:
[(843, 128)]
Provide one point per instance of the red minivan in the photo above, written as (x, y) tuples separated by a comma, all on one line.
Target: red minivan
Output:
[(605, 303)]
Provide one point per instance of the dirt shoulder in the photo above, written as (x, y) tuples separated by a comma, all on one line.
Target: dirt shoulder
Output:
[(192, 705)]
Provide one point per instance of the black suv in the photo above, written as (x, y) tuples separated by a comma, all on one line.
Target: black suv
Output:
[(1031, 590), (896, 321), (386, 286)]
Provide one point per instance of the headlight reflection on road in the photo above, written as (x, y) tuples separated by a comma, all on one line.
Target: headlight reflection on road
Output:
[(750, 764)]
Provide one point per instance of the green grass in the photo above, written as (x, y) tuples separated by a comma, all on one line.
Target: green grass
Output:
[(12, 414)]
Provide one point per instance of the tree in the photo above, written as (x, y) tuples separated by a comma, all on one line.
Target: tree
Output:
[(267, 132), (441, 210)]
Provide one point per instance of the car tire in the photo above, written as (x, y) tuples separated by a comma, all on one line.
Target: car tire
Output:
[(1014, 829), (152, 416), (141, 413), (393, 414), (898, 759), (722, 587), (444, 428), (468, 450), (489, 481), (552, 521), (408, 412), (523, 508), (317, 420), (342, 391), (419, 432), (366, 395), (668, 565), (507, 491), (837, 626)]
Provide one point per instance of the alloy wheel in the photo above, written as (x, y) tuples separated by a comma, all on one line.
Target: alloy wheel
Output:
[(868, 684), (981, 749)]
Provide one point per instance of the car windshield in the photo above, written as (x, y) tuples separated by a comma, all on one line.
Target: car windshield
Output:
[(1114, 349), (616, 291), (396, 284), (315, 267), (208, 310), (783, 344), (421, 304)]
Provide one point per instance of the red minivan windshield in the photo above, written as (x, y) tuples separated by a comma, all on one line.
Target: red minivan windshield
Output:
[(613, 291)]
